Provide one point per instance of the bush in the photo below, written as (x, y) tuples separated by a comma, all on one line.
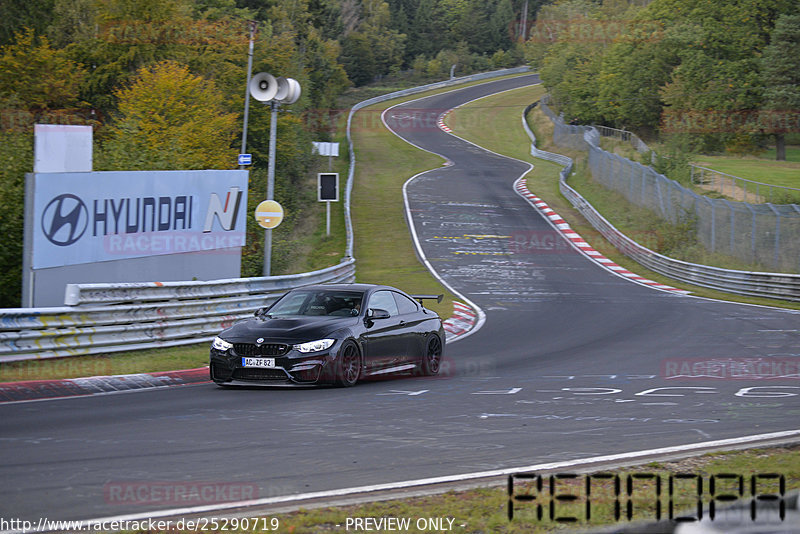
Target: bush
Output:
[(16, 153), (674, 163)]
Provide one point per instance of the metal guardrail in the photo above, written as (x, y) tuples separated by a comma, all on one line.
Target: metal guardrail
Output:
[(742, 188), (566, 161), (757, 284), (626, 136), (731, 185), (756, 234), (103, 318), (391, 96)]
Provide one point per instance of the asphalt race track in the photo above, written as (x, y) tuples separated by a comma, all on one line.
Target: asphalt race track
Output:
[(572, 362)]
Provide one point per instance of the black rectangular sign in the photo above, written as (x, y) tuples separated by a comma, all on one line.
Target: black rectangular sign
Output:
[(328, 186)]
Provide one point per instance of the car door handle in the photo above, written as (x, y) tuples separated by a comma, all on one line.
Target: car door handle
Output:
[(402, 323)]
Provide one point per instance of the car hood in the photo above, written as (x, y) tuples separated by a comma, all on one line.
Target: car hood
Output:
[(285, 329)]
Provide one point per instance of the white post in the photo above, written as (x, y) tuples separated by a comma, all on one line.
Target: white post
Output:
[(328, 203), (273, 129), (328, 216)]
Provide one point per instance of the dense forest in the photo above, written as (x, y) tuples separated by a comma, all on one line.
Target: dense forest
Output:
[(708, 75), (163, 81)]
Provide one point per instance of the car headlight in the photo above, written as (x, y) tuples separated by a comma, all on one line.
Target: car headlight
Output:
[(221, 344), (315, 346)]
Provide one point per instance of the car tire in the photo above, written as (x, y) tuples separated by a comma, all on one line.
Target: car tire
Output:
[(432, 359), (348, 367)]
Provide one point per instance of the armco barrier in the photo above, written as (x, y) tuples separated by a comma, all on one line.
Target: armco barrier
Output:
[(104, 318), (762, 233), (400, 94), (757, 284)]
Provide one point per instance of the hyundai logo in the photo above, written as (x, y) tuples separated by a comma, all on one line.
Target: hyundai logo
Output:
[(260, 340), (65, 219)]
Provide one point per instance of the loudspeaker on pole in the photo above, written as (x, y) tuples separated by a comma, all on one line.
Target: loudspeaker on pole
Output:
[(293, 93), (263, 87)]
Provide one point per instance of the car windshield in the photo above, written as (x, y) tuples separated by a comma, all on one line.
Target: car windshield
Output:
[(325, 302)]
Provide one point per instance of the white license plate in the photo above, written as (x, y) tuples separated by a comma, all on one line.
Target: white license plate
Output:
[(258, 362)]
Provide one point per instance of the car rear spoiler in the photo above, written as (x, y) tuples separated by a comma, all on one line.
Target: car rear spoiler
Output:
[(420, 298)]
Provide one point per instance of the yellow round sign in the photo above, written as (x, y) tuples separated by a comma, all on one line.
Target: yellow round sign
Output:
[(269, 214)]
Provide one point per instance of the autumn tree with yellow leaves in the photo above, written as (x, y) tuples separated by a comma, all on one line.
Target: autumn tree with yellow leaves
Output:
[(170, 119)]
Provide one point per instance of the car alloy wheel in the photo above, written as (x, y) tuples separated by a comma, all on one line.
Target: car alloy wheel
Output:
[(433, 356), (349, 368)]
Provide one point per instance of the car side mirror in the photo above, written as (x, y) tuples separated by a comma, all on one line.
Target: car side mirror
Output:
[(377, 313), (261, 311)]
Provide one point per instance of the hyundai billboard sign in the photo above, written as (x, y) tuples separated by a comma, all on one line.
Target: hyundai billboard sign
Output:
[(103, 216)]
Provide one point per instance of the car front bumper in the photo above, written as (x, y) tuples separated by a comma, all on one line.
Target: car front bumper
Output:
[(294, 368)]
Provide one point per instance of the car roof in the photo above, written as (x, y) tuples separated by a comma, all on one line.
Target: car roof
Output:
[(349, 287)]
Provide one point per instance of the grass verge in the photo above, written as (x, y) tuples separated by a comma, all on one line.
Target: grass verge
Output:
[(380, 235), (759, 169), (384, 162), (498, 131), (123, 363), (486, 510), (384, 249)]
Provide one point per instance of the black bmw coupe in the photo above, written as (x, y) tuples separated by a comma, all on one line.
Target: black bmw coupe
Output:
[(331, 333)]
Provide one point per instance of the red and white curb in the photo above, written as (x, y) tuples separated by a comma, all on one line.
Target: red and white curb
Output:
[(95, 385), (573, 237), (581, 245), (462, 321), (440, 122), (459, 324)]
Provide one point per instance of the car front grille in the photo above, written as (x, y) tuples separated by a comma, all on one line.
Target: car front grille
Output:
[(268, 349), (220, 371), (254, 373)]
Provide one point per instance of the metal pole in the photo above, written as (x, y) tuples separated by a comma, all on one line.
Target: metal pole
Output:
[(328, 203), (273, 132), (524, 33), (328, 217), (253, 25), (777, 235), (713, 225)]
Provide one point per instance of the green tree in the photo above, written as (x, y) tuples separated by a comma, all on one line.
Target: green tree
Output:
[(669, 59), (38, 84), (571, 65), (570, 70), (16, 15), (633, 70), (717, 75), (373, 48), (73, 20), (425, 33), (501, 25), (131, 34), (471, 23), (327, 77), (16, 153), (326, 17), (170, 119), (780, 67), (41, 77), (358, 58)]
